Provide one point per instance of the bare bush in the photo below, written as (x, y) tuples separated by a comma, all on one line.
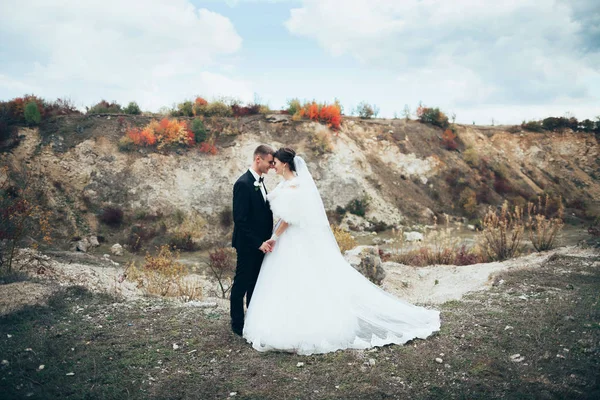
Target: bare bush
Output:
[(221, 266)]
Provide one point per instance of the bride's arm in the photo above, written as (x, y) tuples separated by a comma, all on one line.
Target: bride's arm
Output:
[(280, 229)]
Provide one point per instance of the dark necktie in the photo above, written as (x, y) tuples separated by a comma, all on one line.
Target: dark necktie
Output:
[(261, 180)]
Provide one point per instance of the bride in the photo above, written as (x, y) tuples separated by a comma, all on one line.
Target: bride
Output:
[(308, 299)]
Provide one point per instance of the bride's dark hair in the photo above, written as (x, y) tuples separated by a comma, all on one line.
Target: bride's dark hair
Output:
[(286, 155)]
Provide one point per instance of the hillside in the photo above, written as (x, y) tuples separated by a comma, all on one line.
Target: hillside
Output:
[(399, 169)]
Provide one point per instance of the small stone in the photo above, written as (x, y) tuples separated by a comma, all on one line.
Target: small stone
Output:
[(8, 335), (5, 362), (560, 356), (517, 358), (232, 394), (41, 367), (175, 346), (28, 349), (439, 360), (300, 365), (508, 328), (371, 362), (70, 373)]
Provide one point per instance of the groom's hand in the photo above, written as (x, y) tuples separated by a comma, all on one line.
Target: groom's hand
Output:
[(265, 247)]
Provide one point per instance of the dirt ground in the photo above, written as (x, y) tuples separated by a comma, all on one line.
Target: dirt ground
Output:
[(533, 335)]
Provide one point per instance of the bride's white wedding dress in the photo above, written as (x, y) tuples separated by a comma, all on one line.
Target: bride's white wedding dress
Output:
[(308, 299)]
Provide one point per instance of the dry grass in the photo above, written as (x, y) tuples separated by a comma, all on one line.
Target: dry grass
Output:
[(544, 229), (343, 238), (502, 234), (162, 275), (440, 246)]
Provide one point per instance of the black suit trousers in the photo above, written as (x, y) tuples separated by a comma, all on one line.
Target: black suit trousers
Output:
[(246, 275)]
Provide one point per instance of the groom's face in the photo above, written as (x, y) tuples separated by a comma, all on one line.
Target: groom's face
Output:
[(265, 163)]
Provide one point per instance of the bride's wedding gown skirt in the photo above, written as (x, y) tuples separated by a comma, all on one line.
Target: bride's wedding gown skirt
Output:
[(308, 300)]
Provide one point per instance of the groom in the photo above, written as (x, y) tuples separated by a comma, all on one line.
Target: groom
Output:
[(253, 225)]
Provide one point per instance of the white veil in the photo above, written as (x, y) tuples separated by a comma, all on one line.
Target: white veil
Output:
[(314, 211)]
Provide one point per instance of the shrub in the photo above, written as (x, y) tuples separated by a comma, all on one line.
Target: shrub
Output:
[(185, 109), (208, 148), (167, 132), (502, 233), (139, 235), (358, 206), (221, 267), (199, 106), (468, 201), (199, 130), (320, 142), (104, 107), (514, 129), (543, 230), (61, 107), (432, 116), (343, 238), (367, 111), (19, 214), (218, 109), (294, 106), (125, 144), (331, 115), (111, 216), (132, 108), (164, 275), (448, 140), (32, 113), (471, 157), (532, 126), (182, 241), (327, 114), (226, 217), (241, 111)]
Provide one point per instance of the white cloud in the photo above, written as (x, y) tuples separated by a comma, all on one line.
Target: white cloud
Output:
[(465, 53), (155, 52)]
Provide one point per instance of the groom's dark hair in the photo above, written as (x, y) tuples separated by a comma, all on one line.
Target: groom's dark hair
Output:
[(263, 150)]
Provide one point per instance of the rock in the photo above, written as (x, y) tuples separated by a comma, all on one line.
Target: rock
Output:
[(274, 118), (517, 358), (201, 304), (439, 360), (85, 244), (81, 245), (175, 346), (70, 373), (471, 227), (41, 367), (5, 362), (116, 249), (366, 260), (371, 362), (300, 365), (93, 241), (413, 236)]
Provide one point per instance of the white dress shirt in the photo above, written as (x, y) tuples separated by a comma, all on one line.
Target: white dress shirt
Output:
[(262, 186)]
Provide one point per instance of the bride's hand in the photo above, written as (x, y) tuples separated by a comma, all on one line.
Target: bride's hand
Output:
[(265, 247), (271, 243)]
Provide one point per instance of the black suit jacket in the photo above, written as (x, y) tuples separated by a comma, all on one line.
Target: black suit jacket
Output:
[(252, 216)]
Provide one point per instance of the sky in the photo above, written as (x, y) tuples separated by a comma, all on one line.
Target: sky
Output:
[(484, 61)]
